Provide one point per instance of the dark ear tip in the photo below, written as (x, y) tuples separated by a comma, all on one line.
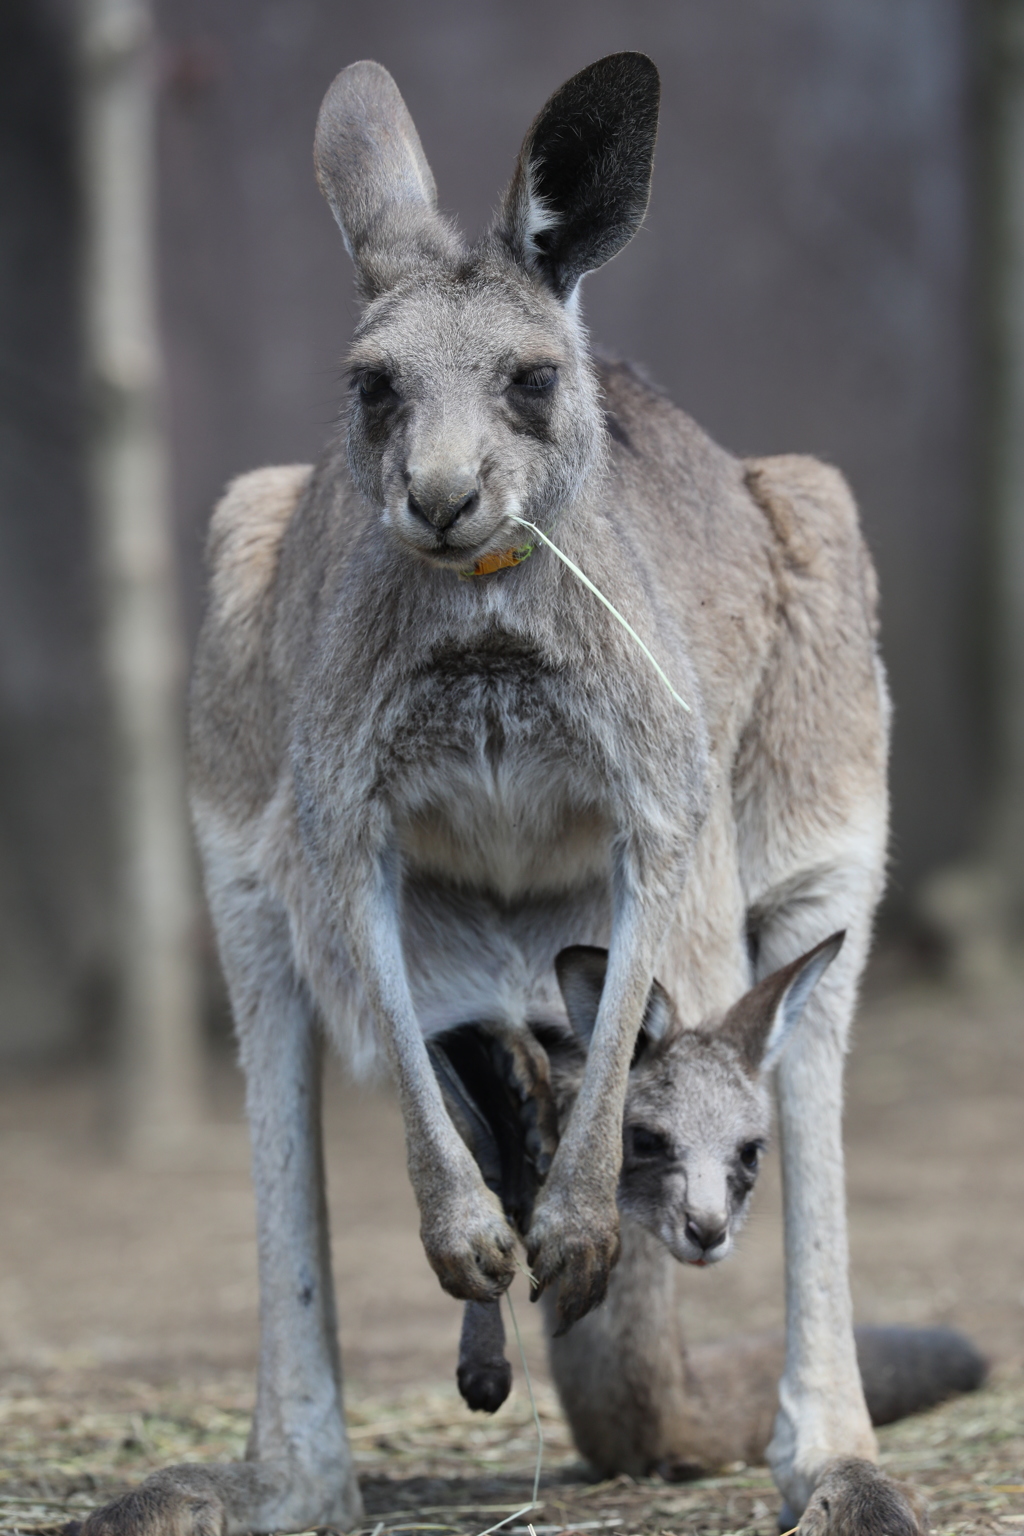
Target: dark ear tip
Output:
[(645, 69), (618, 74), (629, 62)]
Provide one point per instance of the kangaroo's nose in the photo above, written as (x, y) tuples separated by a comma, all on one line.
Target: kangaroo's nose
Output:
[(441, 505), (706, 1232)]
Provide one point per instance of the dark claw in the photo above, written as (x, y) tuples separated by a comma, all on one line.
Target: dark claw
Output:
[(538, 1281), (575, 1302)]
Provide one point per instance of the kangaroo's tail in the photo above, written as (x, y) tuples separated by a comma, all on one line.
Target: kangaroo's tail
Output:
[(905, 1370)]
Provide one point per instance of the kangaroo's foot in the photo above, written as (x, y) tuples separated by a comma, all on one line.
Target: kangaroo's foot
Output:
[(226, 1500), (854, 1498), (576, 1243)]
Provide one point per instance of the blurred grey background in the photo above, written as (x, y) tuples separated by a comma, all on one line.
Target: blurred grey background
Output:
[(812, 277)]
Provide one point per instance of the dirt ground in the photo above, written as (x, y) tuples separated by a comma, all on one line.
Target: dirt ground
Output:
[(128, 1298)]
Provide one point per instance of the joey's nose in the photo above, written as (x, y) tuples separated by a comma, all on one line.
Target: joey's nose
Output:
[(706, 1232), (440, 506)]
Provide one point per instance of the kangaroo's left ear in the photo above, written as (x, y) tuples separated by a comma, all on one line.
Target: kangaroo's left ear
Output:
[(373, 172), (581, 972), (583, 177), (761, 1024)]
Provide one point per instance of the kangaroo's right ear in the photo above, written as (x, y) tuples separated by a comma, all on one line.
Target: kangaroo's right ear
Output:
[(372, 170), (761, 1024), (581, 972), (583, 177)]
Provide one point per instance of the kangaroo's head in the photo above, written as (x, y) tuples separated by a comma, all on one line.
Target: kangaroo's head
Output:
[(697, 1109), (472, 395)]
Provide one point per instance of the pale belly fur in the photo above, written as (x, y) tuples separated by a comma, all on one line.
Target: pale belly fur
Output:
[(497, 878)]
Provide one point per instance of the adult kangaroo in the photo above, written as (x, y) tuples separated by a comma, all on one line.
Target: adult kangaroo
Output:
[(425, 760)]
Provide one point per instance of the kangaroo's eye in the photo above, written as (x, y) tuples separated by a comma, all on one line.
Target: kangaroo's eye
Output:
[(375, 388), (536, 380), (750, 1154), (645, 1143)]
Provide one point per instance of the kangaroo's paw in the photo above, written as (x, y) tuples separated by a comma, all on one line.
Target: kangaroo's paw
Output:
[(223, 1500), (469, 1244), (484, 1384), (853, 1498), (576, 1244)]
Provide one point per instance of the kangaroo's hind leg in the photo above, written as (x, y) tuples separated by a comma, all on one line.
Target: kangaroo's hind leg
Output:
[(298, 1472), (823, 1422)]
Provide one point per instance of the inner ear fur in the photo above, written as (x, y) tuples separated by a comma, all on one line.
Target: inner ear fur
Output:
[(371, 168), (583, 178), (761, 1024)]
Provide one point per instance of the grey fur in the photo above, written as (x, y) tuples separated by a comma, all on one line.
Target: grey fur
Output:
[(411, 791)]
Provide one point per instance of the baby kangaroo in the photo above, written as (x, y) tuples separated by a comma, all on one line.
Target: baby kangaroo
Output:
[(695, 1125)]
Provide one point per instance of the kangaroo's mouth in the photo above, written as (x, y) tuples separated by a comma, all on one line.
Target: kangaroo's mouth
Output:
[(689, 1253), (484, 556)]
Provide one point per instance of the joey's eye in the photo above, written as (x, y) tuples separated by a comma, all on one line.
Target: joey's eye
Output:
[(645, 1143), (375, 388), (535, 381), (750, 1154)]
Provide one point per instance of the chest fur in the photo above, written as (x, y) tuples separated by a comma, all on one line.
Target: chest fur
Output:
[(495, 781)]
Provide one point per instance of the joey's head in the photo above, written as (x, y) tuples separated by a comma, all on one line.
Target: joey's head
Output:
[(697, 1110), (472, 396)]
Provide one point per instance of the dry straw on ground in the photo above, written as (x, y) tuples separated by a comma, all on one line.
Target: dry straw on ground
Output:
[(426, 1464)]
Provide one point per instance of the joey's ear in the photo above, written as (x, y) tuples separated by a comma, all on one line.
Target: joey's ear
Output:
[(372, 170), (658, 1015), (581, 972), (583, 177), (761, 1024)]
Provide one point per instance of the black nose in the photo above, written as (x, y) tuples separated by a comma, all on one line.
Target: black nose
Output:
[(441, 511), (705, 1234)]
